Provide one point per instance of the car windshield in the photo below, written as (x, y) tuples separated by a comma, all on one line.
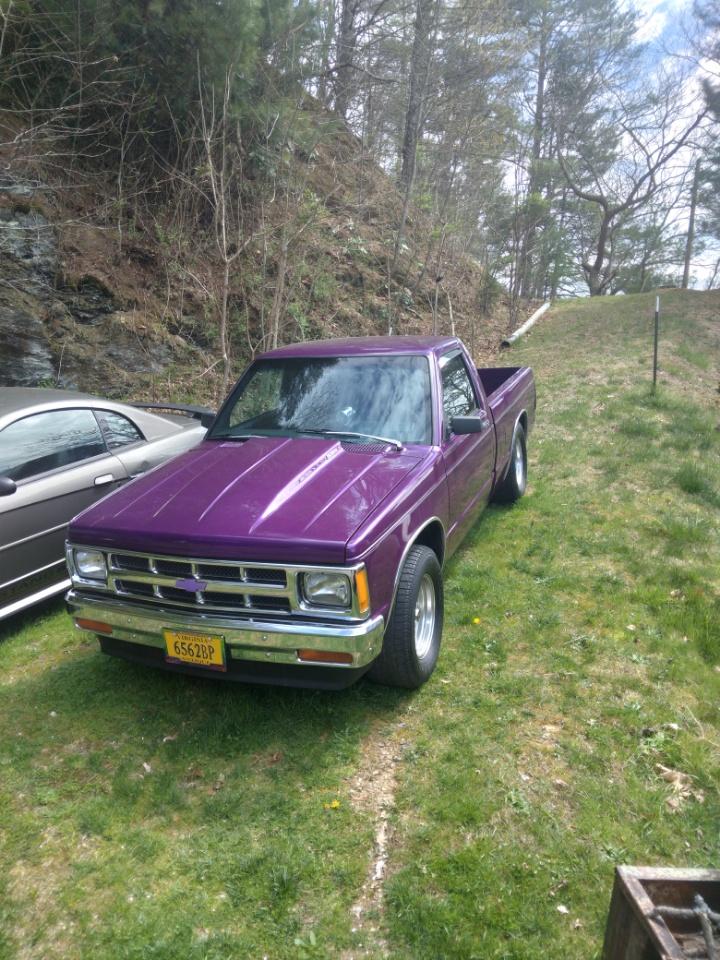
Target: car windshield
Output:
[(363, 396)]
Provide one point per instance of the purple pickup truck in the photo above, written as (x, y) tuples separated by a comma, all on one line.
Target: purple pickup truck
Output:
[(302, 542)]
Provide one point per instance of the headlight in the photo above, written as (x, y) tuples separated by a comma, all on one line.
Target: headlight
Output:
[(90, 564), (327, 589)]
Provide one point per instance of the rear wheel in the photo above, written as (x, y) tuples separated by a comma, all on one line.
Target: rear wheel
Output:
[(412, 640), (515, 482)]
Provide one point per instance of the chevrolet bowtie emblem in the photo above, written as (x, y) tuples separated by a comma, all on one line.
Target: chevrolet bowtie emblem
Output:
[(192, 586)]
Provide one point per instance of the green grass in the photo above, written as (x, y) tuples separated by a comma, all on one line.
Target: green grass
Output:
[(153, 816), (694, 480)]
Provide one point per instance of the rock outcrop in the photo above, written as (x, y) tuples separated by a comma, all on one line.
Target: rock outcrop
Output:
[(60, 330)]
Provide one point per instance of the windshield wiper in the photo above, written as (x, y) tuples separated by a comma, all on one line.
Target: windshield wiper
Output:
[(351, 435)]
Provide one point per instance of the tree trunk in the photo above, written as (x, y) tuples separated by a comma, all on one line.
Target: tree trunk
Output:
[(557, 259), (711, 282), (279, 294), (224, 325), (528, 240), (691, 227), (597, 273), (346, 43), (419, 69), (325, 57)]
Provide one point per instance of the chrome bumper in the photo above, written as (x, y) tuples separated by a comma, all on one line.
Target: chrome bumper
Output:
[(265, 641)]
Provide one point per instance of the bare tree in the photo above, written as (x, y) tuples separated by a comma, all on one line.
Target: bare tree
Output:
[(222, 145), (647, 138)]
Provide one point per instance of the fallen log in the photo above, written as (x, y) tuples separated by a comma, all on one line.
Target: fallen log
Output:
[(526, 326)]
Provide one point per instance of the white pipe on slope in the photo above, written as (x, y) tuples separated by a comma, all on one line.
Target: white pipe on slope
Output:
[(526, 326)]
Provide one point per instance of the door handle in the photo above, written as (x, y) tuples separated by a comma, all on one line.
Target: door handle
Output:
[(103, 479)]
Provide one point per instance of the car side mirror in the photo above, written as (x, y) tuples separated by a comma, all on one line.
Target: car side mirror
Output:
[(472, 424), (7, 486)]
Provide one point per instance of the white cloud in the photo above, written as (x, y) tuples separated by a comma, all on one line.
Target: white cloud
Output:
[(708, 70), (654, 16), (645, 8), (651, 27)]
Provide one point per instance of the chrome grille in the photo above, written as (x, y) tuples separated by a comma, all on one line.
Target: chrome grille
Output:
[(259, 575), (225, 572), (172, 568), (136, 589), (121, 561), (221, 585)]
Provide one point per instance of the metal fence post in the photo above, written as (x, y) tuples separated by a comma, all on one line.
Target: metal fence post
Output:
[(655, 345)]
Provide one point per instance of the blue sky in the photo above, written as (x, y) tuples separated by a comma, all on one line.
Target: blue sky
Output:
[(661, 19)]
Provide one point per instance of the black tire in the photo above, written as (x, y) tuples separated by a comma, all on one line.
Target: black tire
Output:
[(515, 482), (400, 663)]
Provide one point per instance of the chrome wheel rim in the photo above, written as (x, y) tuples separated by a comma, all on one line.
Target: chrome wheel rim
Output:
[(519, 464), (424, 616)]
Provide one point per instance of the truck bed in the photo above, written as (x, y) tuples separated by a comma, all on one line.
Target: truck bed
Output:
[(509, 391), (493, 378)]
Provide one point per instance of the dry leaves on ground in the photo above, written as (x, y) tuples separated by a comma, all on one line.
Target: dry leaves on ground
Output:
[(681, 789)]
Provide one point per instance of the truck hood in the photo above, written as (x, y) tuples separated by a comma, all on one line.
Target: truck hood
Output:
[(295, 500)]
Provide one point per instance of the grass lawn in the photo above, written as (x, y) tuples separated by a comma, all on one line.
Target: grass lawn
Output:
[(147, 815)]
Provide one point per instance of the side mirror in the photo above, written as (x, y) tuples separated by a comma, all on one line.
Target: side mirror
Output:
[(7, 486), (472, 424)]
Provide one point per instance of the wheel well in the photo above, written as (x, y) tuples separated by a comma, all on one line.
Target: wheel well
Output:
[(523, 421), (433, 536)]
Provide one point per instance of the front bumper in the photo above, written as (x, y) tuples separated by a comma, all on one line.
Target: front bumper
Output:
[(137, 634)]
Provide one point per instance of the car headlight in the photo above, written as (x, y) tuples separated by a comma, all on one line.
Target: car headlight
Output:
[(327, 589), (90, 564)]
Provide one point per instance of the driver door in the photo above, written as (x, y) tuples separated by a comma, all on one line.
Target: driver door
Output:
[(469, 458), (60, 464)]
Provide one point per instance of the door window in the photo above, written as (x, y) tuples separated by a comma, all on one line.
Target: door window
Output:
[(457, 390), (48, 441), (117, 429)]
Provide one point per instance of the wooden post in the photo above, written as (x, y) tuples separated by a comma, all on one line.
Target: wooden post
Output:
[(634, 931)]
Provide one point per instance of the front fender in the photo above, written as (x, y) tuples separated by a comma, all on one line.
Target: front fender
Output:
[(383, 543)]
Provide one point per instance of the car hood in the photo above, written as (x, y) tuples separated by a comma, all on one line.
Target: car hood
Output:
[(297, 500)]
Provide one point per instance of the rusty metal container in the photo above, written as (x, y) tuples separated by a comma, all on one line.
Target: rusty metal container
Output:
[(652, 914)]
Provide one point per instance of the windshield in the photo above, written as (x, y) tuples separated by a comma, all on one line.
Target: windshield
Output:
[(369, 396)]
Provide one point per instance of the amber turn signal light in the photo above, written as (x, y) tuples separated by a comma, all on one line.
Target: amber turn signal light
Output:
[(362, 590), (94, 626), (324, 656)]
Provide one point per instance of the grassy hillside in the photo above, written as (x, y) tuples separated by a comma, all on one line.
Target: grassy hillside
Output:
[(573, 722)]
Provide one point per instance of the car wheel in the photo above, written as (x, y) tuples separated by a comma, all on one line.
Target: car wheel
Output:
[(412, 640), (515, 482)]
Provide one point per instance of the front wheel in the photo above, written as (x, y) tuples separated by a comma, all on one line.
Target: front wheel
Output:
[(515, 482), (412, 640)]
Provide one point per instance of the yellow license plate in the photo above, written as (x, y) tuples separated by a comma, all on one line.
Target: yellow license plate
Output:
[(195, 648)]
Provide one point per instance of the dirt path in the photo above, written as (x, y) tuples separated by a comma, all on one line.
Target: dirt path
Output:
[(372, 790)]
